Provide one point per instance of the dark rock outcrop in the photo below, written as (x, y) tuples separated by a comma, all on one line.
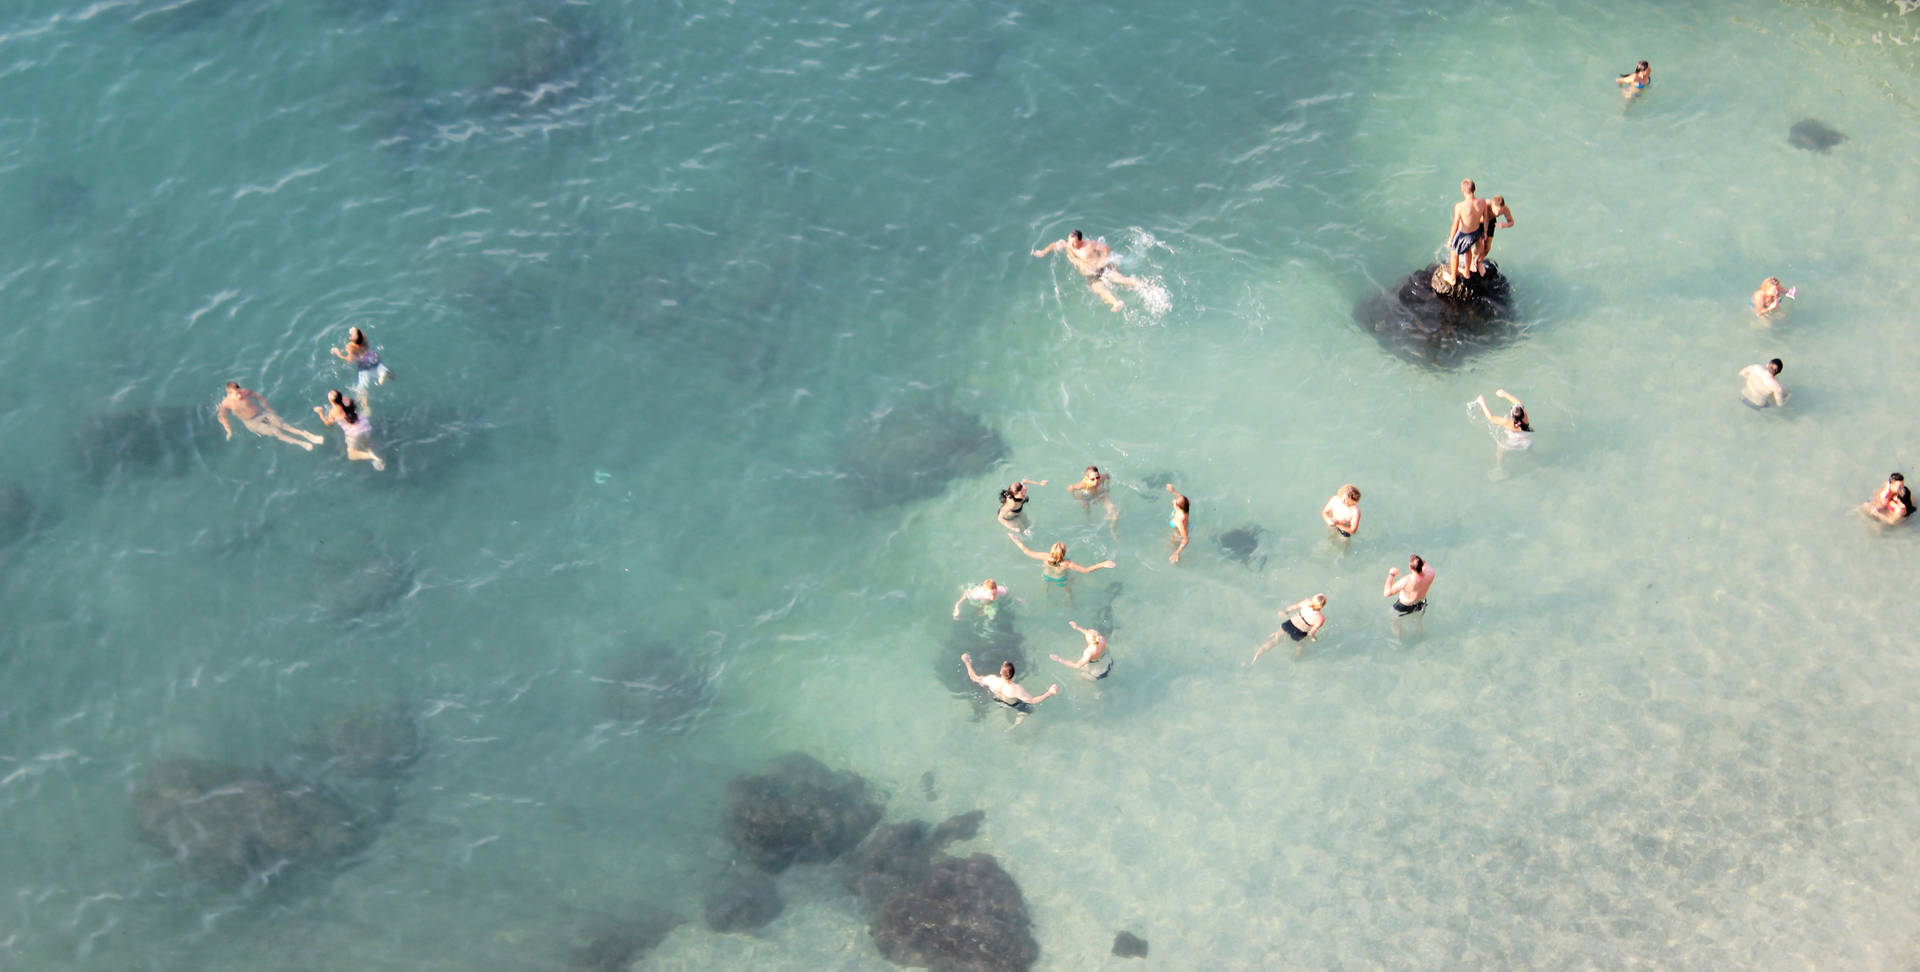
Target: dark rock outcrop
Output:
[(226, 824), (1128, 945), (363, 592), (743, 902), (911, 451), (801, 812), (1426, 326), (1240, 544)]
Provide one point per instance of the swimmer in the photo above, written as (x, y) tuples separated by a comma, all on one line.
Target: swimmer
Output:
[(1178, 521), (1302, 630), (1463, 235), (1054, 564), (1496, 210), (342, 411), (1094, 661), (1013, 500), (1514, 433), (1763, 386), (258, 418), (1093, 486), (1767, 299), (1635, 81), (1342, 512), (1094, 260), (1893, 503), (983, 597), (1005, 690), (1409, 592), (364, 358)]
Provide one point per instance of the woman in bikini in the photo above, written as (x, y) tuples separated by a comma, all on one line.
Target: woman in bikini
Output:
[(1635, 81), (1013, 501), (1178, 521), (364, 358), (342, 411), (1342, 512), (1054, 564), (1302, 629), (1512, 432)]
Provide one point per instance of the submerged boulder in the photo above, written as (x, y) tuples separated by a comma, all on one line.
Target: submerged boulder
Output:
[(362, 592), (657, 686), (899, 855), (911, 451), (800, 812), (743, 902), (963, 915), (1812, 135), (1240, 543), (226, 824), (1432, 321)]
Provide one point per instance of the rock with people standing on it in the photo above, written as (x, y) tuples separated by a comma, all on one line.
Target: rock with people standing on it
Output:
[(1433, 320)]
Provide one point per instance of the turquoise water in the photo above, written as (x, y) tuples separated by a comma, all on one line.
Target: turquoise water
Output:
[(646, 274)]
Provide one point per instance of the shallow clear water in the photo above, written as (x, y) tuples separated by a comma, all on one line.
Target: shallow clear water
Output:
[(645, 272)]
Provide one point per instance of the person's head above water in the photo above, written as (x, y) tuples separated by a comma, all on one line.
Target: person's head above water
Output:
[(1319, 601), (1180, 503), (1519, 415), (1466, 187), (1641, 67), (1075, 236), (1006, 670), (1774, 367), (1056, 553), (1016, 491), (1415, 564), (355, 337), (1500, 201), (1351, 492), (233, 386), (1896, 478)]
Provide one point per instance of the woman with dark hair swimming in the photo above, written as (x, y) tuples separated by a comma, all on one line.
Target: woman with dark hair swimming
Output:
[(1512, 432), (1013, 500), (342, 411), (364, 358)]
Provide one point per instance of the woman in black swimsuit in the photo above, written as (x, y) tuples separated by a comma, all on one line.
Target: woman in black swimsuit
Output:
[(1013, 500), (1302, 629)]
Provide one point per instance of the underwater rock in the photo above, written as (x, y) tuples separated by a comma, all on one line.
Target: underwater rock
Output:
[(378, 740), (614, 944), (1128, 945), (58, 197), (1420, 325), (962, 915), (226, 824), (16, 514), (1810, 134), (657, 686), (370, 589), (1240, 543), (744, 902), (800, 813), (909, 452), (159, 438)]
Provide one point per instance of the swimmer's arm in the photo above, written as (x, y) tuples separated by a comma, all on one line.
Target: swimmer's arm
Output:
[(967, 660), (956, 606), (1050, 247), (1082, 663), (342, 355), (1389, 589), (1506, 214), (1502, 393), (1025, 549), (221, 414), (1779, 394), (1089, 570), (1034, 482), (1031, 699)]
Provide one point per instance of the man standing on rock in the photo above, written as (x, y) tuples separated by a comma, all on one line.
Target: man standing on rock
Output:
[(1496, 210), (1469, 220)]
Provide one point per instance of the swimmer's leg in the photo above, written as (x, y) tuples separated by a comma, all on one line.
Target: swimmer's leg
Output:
[(281, 426), (282, 435), (1100, 290), (354, 452), (1115, 276)]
